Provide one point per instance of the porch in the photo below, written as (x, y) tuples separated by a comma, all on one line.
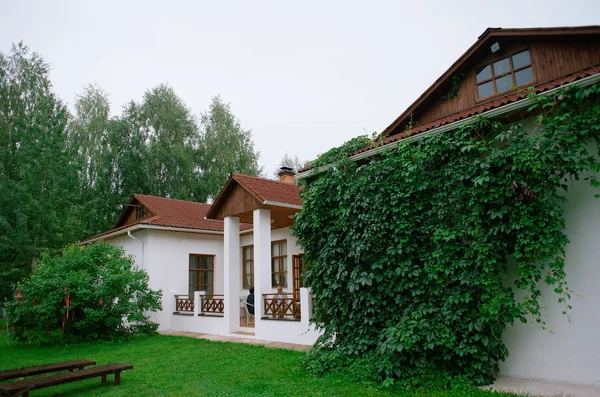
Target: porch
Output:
[(283, 318)]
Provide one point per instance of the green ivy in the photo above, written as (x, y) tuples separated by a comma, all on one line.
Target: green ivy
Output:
[(407, 255), (341, 153)]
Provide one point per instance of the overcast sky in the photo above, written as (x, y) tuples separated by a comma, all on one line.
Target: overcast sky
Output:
[(304, 76)]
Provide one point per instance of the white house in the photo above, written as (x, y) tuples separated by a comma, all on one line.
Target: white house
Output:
[(205, 267), (205, 258)]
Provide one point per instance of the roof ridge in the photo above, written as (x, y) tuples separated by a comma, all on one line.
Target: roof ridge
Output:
[(261, 179), (168, 198)]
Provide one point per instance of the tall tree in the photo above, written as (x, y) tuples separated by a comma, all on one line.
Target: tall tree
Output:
[(224, 148), (38, 174), (172, 135)]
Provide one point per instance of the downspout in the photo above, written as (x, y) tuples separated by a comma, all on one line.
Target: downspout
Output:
[(142, 250)]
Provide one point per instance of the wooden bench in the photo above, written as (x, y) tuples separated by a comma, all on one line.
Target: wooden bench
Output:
[(23, 387), (44, 369)]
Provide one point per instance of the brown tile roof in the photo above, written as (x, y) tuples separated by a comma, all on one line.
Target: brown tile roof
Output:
[(475, 110), (484, 107), (269, 190), (171, 213)]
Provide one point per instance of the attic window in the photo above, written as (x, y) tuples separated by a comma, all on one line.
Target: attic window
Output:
[(140, 212), (504, 74)]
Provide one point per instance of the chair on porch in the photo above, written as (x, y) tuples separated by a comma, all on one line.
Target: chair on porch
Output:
[(245, 313)]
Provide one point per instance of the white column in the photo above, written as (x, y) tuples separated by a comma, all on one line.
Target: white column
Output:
[(262, 262), (305, 307), (198, 296), (231, 261)]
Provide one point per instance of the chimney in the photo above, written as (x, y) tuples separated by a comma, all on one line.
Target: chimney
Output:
[(286, 175)]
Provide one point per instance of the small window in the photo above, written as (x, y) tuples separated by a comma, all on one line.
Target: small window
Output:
[(279, 264), (248, 266), (201, 273), (140, 212), (504, 74)]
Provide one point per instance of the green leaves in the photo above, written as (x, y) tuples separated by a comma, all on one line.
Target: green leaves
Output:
[(87, 293), (408, 254)]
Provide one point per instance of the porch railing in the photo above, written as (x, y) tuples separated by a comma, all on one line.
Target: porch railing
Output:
[(183, 303), (281, 306), (213, 304)]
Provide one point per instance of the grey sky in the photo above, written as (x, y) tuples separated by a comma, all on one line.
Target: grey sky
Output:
[(304, 76)]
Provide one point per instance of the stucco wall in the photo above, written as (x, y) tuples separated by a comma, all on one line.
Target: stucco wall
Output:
[(566, 351)]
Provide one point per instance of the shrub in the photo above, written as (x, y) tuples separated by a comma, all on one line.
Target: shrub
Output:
[(86, 294)]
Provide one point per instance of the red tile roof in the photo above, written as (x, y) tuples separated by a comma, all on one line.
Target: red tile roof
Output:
[(269, 190), (171, 213), (475, 110)]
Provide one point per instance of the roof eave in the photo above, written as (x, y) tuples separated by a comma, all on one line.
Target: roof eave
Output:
[(511, 107)]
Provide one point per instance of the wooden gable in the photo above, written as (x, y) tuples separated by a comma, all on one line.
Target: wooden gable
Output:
[(554, 53), (130, 213), (239, 202)]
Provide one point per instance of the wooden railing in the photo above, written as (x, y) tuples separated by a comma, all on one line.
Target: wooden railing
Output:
[(282, 306), (183, 303), (213, 304)]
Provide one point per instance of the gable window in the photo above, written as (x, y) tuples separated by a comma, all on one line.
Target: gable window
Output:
[(248, 266), (279, 263), (201, 273), (140, 212), (504, 74)]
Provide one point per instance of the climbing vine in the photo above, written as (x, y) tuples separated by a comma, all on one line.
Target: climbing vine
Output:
[(410, 255)]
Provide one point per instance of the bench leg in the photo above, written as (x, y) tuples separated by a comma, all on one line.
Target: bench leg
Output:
[(117, 378), (103, 378)]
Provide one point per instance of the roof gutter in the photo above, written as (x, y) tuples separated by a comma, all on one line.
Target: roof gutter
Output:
[(142, 247), (523, 103), (278, 204), (153, 227)]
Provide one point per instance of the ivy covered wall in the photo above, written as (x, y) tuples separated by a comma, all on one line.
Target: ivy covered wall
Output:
[(407, 254)]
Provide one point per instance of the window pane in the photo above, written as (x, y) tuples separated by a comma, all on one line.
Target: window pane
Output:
[(248, 253), (275, 249), (501, 67), (524, 76), (283, 248), (521, 59), (485, 90), (504, 83), (193, 278), (207, 262), (194, 262), (484, 73)]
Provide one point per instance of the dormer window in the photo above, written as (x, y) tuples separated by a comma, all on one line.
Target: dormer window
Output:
[(140, 212), (504, 74)]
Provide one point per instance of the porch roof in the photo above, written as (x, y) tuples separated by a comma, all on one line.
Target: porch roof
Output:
[(242, 194)]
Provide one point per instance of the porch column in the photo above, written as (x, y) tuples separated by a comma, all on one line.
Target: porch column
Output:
[(231, 261), (262, 262)]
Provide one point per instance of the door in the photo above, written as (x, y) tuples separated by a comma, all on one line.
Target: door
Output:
[(297, 273)]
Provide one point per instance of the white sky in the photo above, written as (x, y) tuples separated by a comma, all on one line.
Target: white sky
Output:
[(304, 76)]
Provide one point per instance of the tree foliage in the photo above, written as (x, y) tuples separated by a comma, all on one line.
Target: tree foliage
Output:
[(224, 148), (408, 254), (66, 177), (86, 294), (38, 178)]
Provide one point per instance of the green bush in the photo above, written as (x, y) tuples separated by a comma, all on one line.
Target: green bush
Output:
[(86, 294), (407, 254)]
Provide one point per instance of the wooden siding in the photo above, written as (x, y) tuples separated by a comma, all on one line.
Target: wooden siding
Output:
[(238, 202), (550, 60), (130, 219)]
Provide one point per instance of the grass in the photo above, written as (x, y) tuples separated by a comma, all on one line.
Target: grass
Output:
[(178, 366)]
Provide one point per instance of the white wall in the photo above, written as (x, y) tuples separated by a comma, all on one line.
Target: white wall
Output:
[(166, 259), (566, 351)]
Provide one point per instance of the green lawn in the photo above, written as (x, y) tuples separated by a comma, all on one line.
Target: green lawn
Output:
[(177, 366)]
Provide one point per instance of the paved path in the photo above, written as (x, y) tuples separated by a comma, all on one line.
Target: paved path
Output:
[(542, 388), (239, 339)]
